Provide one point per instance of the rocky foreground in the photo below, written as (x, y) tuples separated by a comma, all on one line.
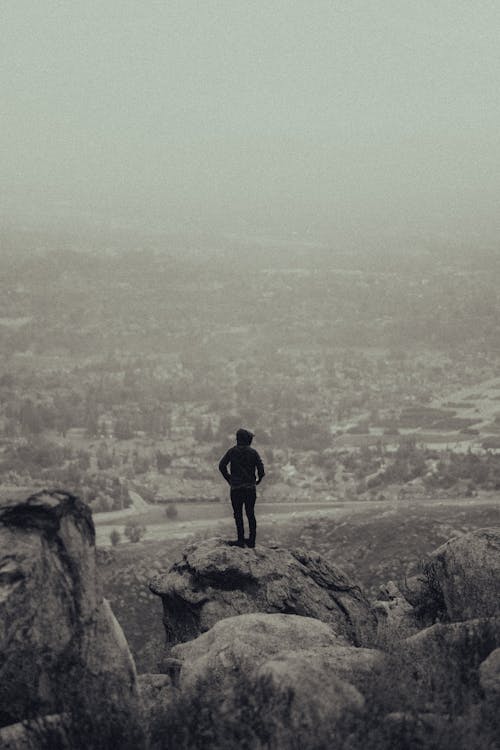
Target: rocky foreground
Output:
[(214, 581), (265, 647)]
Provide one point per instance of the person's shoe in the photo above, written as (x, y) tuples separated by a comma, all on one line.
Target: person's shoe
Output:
[(250, 543), (236, 543)]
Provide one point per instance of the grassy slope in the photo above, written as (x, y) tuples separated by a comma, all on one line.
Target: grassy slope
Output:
[(375, 548)]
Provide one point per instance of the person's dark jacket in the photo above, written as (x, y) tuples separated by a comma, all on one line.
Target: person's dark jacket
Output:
[(245, 463)]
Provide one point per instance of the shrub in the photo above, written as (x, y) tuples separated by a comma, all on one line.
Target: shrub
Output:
[(171, 511), (491, 443), (134, 531), (115, 537), (362, 428), (454, 423), (163, 460), (254, 717)]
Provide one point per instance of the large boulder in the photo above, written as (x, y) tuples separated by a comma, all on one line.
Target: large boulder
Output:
[(278, 679), (463, 576), (214, 581), (61, 648), (240, 643), (489, 674), (446, 657), (415, 729)]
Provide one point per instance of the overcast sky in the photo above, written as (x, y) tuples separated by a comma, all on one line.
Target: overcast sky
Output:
[(299, 114)]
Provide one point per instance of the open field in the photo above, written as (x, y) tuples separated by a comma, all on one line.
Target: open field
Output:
[(203, 517), (459, 420)]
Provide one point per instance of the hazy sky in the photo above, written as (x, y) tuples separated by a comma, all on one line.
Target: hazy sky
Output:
[(299, 114)]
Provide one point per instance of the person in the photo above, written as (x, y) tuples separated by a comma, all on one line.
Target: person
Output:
[(247, 471)]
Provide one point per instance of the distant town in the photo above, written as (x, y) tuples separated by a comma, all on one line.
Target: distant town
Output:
[(363, 377)]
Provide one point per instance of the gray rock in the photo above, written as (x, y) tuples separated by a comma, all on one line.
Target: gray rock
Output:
[(151, 686), (413, 589), (157, 695), (37, 734), (294, 709), (239, 643), (464, 575), (395, 615), (292, 677), (489, 674), (422, 729), (214, 581), (310, 667), (61, 648), (449, 654), (109, 665)]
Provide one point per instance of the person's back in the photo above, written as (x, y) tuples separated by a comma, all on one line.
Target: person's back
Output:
[(247, 470), (244, 461)]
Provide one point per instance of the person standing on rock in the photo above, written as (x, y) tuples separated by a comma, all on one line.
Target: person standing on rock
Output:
[(247, 471)]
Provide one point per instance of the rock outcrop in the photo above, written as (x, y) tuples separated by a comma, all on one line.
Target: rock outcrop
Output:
[(238, 644), (395, 615), (268, 656), (451, 653), (61, 648), (463, 575), (454, 605), (37, 734), (157, 696), (268, 646), (489, 674), (294, 675), (214, 581)]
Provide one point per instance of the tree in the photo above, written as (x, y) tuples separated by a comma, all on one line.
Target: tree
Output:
[(171, 511), (134, 531), (91, 420), (140, 464), (163, 460), (104, 457), (123, 429), (29, 417), (115, 537)]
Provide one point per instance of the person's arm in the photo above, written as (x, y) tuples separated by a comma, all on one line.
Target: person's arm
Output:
[(223, 467), (260, 468)]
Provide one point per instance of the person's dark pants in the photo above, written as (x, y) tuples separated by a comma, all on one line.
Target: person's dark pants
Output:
[(244, 496)]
